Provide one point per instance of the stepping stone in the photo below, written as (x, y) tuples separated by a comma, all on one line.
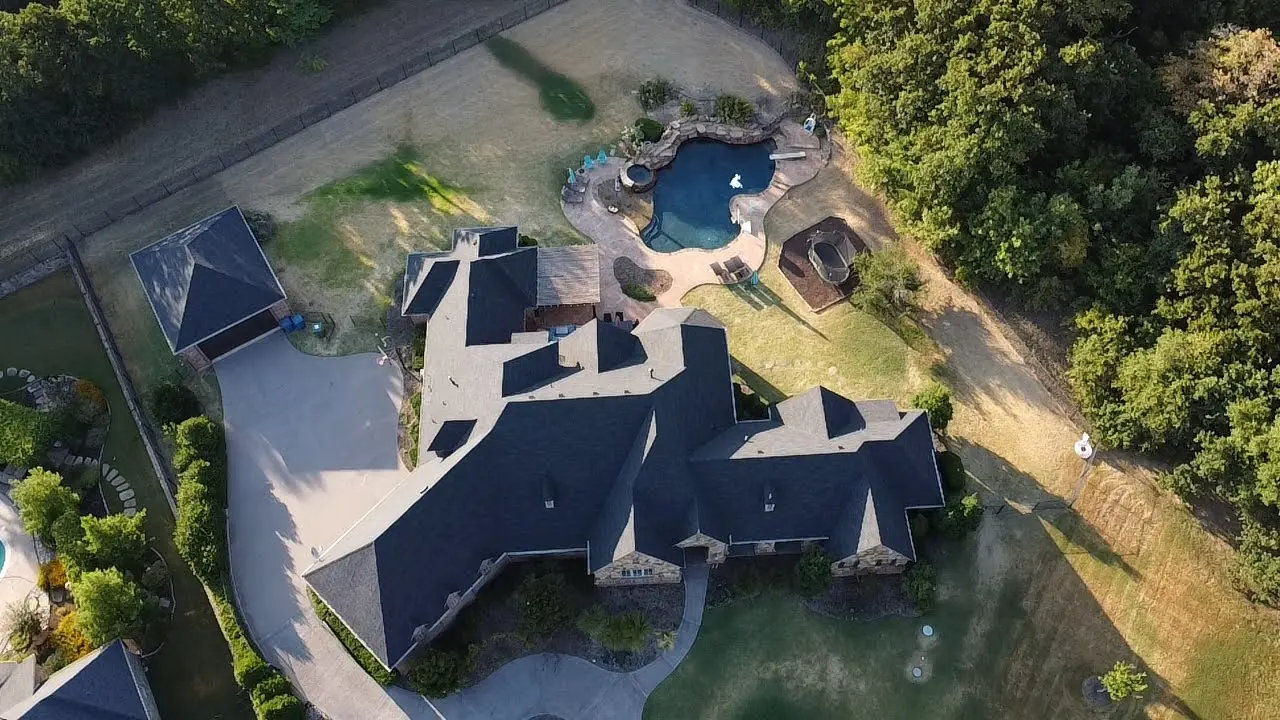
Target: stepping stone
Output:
[(130, 512), (106, 468), (117, 481), (11, 372), (24, 374), (126, 494), (122, 487), (131, 503), (113, 474)]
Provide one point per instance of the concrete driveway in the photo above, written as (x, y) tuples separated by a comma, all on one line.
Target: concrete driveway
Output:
[(311, 446)]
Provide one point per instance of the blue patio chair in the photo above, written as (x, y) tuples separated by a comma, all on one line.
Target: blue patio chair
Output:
[(602, 159), (587, 162)]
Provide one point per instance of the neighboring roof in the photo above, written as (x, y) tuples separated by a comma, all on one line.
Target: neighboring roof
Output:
[(635, 438), (206, 278), (107, 684), (17, 682), (569, 275)]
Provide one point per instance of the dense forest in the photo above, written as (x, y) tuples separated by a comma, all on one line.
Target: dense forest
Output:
[(1121, 161), (77, 73)]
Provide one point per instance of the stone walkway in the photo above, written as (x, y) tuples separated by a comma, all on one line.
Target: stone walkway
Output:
[(689, 268), (571, 688)]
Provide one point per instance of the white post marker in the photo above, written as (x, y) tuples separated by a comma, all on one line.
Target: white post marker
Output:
[(1084, 447)]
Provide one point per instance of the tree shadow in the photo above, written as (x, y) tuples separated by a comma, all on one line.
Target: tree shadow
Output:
[(562, 97), (761, 296)]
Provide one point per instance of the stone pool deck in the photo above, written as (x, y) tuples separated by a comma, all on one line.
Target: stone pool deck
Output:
[(689, 268)]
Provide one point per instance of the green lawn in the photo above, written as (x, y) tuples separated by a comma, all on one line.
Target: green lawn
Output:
[(993, 655), (47, 330)]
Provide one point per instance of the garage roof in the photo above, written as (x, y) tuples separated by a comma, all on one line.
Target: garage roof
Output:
[(206, 278)]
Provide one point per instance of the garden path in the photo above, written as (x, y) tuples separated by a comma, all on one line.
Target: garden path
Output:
[(619, 237)]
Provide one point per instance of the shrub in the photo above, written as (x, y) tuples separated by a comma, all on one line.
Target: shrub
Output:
[(117, 540), (437, 673), (734, 109), (649, 130), (813, 572), (888, 282), (42, 498), (667, 640), (951, 467), (156, 578), (52, 575), (270, 686), (247, 665), (654, 92), (172, 402), (959, 517), (200, 533), (625, 632), (69, 640), (543, 605), (919, 526), (91, 394), (21, 624), (921, 585), (110, 606), (264, 229), (1124, 680), (281, 707), (688, 108), (83, 479), (201, 472), (527, 241), (24, 434), (199, 438), (355, 648), (638, 292), (935, 400)]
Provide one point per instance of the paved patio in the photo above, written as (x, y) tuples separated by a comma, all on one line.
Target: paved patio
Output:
[(21, 564), (689, 268)]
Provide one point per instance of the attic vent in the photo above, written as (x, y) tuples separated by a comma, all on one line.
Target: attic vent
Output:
[(768, 496), (548, 493)]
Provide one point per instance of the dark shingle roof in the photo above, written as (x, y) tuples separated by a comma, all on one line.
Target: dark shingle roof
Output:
[(106, 684), (206, 278), (632, 434)]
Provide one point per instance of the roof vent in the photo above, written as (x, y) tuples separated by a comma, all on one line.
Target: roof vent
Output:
[(768, 496), (548, 493)]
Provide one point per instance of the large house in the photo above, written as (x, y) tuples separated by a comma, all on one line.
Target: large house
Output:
[(107, 684), (620, 447)]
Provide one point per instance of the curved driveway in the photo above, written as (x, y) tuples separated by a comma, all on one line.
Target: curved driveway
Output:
[(311, 446)]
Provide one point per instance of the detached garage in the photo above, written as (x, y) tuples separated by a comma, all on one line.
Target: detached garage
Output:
[(211, 288)]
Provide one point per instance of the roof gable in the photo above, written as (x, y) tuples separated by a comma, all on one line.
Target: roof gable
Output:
[(106, 684)]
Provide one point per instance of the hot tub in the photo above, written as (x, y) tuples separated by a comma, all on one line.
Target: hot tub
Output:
[(637, 177)]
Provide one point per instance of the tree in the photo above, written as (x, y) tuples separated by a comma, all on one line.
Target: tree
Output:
[(24, 433), (110, 606), (935, 400), (42, 499), (1124, 680), (813, 572), (117, 540), (172, 402), (888, 282), (437, 673), (959, 517)]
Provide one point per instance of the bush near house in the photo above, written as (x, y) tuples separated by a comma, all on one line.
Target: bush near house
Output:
[(935, 400), (355, 648), (199, 438), (281, 707), (110, 606), (437, 673), (734, 109), (172, 402), (625, 632), (542, 602), (24, 434), (813, 572), (52, 576), (959, 517), (69, 641), (951, 467), (920, 582)]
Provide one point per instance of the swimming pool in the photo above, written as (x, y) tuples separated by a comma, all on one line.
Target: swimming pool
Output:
[(3, 558), (691, 199)]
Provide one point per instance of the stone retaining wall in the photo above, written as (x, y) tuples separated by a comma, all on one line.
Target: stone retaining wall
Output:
[(659, 154)]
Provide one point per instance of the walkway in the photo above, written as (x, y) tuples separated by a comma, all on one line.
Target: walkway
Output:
[(689, 268), (572, 688)]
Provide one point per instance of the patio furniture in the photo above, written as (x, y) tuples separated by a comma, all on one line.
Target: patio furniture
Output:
[(568, 195), (720, 272)]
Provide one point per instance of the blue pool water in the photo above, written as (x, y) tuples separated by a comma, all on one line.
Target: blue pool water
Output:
[(2, 557), (691, 199)]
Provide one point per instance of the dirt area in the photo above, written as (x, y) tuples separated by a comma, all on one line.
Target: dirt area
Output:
[(628, 272), (794, 263), (235, 107), (866, 597), (492, 621)]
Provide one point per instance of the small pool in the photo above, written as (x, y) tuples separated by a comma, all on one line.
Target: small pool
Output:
[(691, 199), (639, 174)]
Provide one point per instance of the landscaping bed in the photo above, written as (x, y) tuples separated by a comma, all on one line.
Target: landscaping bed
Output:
[(863, 597), (493, 624), (629, 274)]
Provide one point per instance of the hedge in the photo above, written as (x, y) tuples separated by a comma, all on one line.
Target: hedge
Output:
[(24, 434), (281, 707), (246, 664), (354, 647)]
